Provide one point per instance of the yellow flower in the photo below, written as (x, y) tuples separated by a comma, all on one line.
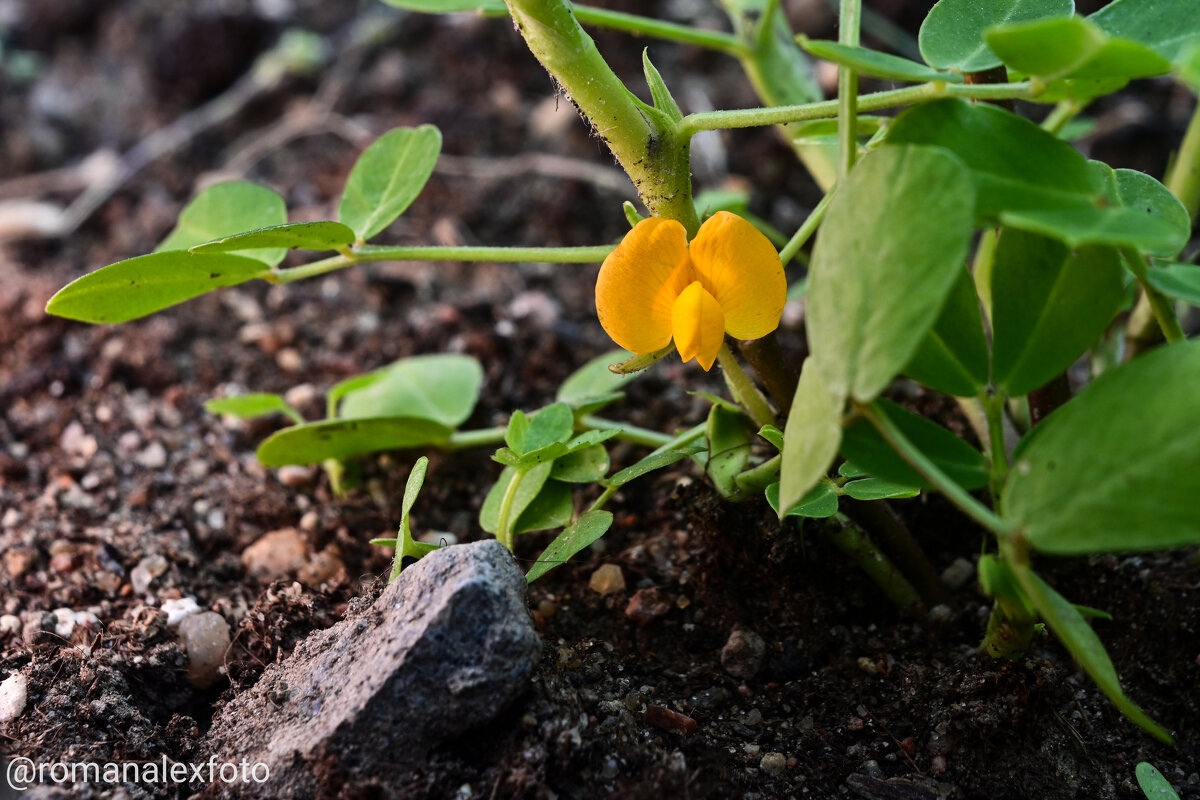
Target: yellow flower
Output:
[(654, 287)]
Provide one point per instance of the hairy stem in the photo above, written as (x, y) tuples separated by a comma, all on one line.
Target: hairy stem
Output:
[(850, 539), (744, 390), (1164, 314), (886, 527)]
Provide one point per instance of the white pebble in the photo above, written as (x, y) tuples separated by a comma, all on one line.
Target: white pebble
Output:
[(153, 457), (179, 610), (206, 638), (14, 692), (10, 623)]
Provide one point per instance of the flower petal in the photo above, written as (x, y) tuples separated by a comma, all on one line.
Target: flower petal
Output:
[(740, 268), (698, 325), (638, 284)]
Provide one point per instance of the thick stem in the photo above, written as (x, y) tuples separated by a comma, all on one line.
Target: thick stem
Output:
[(1164, 314), (848, 538), (848, 22), (773, 370), (744, 390), (656, 160), (881, 520), (504, 528), (993, 409)]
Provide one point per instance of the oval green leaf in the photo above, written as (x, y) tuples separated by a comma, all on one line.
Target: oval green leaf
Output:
[(248, 406), (442, 387), (953, 357), (587, 465), (140, 286), (530, 486), (728, 434), (879, 489), (587, 529), (659, 460), (812, 435), (872, 299), (820, 503), (875, 63), (594, 382), (551, 508), (314, 442), (1049, 305), (1166, 26), (294, 236), (1072, 47), (951, 37), (1117, 468), (862, 445), (224, 209), (387, 177), (1178, 280)]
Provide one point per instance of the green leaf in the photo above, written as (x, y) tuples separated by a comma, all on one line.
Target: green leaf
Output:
[(224, 209), (663, 101), (1178, 280), (1084, 645), (594, 382), (313, 442), (514, 435), (1166, 26), (1049, 305), (728, 434), (1051, 189), (650, 463), (531, 484), (820, 503), (862, 445), (550, 425), (872, 299), (295, 235), (879, 489), (405, 546), (875, 63), (772, 435), (387, 177), (140, 286), (449, 6), (583, 466), (953, 356), (1153, 784), (1072, 47), (1189, 66), (1115, 469), (951, 36), (589, 438), (849, 469), (443, 387), (587, 529), (812, 436), (248, 406), (553, 507), (541, 455)]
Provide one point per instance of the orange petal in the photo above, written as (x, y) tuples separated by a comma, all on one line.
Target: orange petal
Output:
[(698, 325), (740, 268), (638, 284)]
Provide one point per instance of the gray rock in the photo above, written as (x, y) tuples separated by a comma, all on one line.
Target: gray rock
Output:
[(205, 636), (445, 649)]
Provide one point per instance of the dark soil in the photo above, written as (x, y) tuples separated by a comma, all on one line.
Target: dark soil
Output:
[(107, 456)]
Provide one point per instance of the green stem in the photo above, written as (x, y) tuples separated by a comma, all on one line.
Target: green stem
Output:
[(744, 390), (932, 473), (504, 526), (1184, 176), (806, 230), (1063, 113), (850, 539), (463, 440), (628, 433), (993, 409), (604, 497), (1164, 314), (828, 109), (370, 253), (645, 144), (848, 22), (881, 522), (777, 376), (760, 477), (659, 29)]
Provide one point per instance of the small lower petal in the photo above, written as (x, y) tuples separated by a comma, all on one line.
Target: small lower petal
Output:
[(698, 325)]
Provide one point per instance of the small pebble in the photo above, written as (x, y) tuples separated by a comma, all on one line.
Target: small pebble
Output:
[(940, 613), (607, 580), (66, 620), (294, 475), (547, 608), (321, 567), (14, 692), (10, 624), (153, 457), (958, 573), (149, 568), (774, 763), (12, 518), (18, 560), (751, 749), (647, 605), (742, 655), (205, 636), (752, 717), (276, 555), (668, 720), (179, 609)]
